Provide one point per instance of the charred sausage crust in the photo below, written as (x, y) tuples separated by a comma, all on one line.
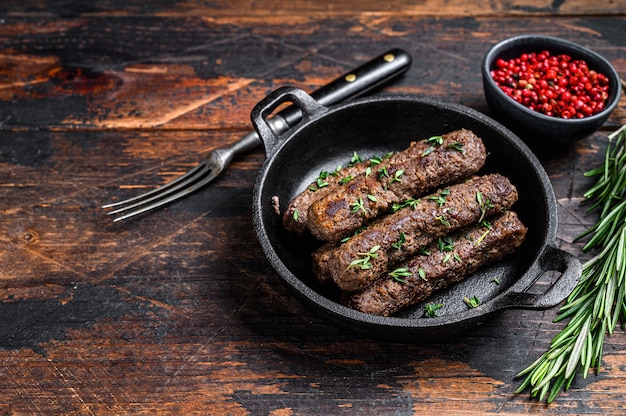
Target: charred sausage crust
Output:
[(403, 233), (473, 248), (424, 165)]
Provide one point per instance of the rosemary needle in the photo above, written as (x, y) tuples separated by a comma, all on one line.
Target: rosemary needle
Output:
[(598, 301)]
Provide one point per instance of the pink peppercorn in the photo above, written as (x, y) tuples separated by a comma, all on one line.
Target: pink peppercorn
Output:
[(557, 86)]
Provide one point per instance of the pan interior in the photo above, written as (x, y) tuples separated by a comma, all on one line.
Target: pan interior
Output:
[(375, 127)]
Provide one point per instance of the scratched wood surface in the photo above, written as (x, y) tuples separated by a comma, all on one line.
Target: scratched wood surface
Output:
[(178, 312)]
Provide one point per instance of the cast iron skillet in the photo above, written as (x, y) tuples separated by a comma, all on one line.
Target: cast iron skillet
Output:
[(327, 137)]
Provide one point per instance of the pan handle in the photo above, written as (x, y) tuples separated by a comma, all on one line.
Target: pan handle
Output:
[(552, 258), (270, 133)]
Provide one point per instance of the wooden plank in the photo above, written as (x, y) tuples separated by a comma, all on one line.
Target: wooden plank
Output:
[(280, 10), (169, 80)]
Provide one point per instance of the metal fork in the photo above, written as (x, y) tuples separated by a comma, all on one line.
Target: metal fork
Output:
[(359, 81), (207, 170)]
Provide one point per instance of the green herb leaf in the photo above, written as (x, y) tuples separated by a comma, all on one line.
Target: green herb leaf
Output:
[(484, 204), (358, 206), (458, 146), (435, 140), (399, 273), (321, 183), (397, 176), (422, 273), (401, 240), (408, 203), (472, 302), (345, 180), (445, 243), (441, 198), (376, 160), (443, 220), (428, 151), (430, 309), (364, 259)]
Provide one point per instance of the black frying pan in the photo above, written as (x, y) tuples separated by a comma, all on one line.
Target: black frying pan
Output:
[(328, 137)]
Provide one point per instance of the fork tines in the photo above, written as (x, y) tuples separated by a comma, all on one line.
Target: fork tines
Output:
[(168, 193)]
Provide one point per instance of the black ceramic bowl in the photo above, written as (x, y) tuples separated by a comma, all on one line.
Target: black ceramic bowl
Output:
[(535, 128), (371, 126)]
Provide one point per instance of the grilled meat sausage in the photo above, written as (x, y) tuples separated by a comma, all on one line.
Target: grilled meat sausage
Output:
[(295, 216), (424, 165), (357, 262), (465, 252)]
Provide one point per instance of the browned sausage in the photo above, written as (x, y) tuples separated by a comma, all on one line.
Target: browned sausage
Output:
[(418, 278), (295, 216), (356, 263), (424, 165)]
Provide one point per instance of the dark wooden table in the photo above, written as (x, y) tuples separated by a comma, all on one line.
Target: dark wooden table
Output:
[(178, 312)]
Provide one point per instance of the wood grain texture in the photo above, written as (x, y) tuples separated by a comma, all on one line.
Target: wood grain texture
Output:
[(178, 312), (174, 81), (282, 10)]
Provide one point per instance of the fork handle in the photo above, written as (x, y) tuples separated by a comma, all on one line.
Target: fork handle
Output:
[(251, 140), (361, 80)]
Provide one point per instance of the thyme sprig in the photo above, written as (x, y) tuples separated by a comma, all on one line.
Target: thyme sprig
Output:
[(346, 179), (443, 220), (321, 180), (441, 198), (485, 205), (432, 141), (358, 206), (400, 242), (430, 309), (397, 176), (400, 273), (411, 202), (445, 243), (355, 159), (472, 302), (458, 146), (364, 262), (598, 301)]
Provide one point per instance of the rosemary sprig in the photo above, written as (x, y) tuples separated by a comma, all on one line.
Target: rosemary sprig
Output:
[(598, 301)]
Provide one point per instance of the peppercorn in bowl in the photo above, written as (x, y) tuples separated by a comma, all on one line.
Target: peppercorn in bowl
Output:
[(549, 91)]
